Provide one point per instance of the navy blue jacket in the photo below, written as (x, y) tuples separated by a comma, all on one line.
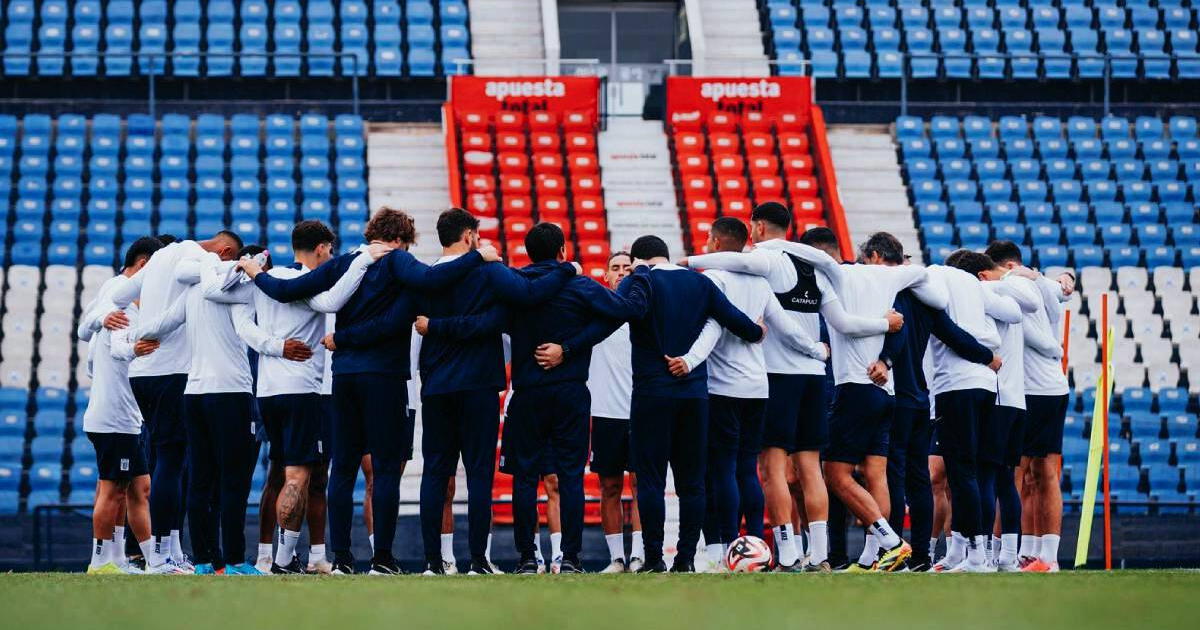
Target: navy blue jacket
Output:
[(576, 306), (673, 306), (906, 348), (382, 291), (471, 355)]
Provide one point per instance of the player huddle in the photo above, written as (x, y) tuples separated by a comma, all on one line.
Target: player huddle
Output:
[(778, 381)]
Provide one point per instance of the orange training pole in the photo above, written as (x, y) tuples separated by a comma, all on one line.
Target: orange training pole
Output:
[(1104, 386)]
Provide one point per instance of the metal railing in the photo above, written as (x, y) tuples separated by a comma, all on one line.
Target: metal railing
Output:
[(540, 65), (153, 64), (974, 57)]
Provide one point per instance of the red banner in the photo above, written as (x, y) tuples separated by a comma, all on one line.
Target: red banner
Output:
[(770, 95), (554, 94)]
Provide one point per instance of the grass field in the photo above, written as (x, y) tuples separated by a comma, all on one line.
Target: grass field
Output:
[(1093, 600)]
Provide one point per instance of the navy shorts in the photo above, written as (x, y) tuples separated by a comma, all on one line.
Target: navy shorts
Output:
[(293, 424), (935, 440), (796, 413), (610, 446), (1006, 428), (546, 429), (1044, 418), (963, 416), (160, 398), (881, 445), (735, 423), (860, 412), (119, 456)]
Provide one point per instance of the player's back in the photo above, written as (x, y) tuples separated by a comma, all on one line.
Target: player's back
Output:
[(679, 307), (449, 365), (734, 361)]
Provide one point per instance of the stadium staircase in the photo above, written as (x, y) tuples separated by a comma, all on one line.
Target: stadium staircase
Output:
[(408, 172), (733, 39), (639, 194), (507, 37), (869, 183)]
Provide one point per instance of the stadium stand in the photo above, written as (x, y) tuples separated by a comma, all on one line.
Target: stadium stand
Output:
[(178, 175), (975, 39), (1114, 199), (222, 38)]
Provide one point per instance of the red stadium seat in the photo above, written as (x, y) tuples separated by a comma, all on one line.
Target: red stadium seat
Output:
[(701, 207), (516, 256), (514, 184), (588, 207), (510, 121), (591, 227), (693, 164), (797, 164), (476, 141), (545, 141), (586, 184), (478, 162), (737, 207), (697, 185), (760, 144), (686, 121), (790, 122), (481, 183), (514, 163), (761, 165), (722, 122), (510, 141), (730, 185), (770, 187), (543, 121), (723, 142), (473, 121), (793, 143), (753, 121), (489, 228), (547, 164), (583, 163), (579, 121), (802, 186), (552, 206), (551, 185), (728, 164), (808, 206), (482, 204), (517, 225), (595, 271), (593, 251), (581, 142), (518, 206), (700, 226), (563, 223), (689, 142)]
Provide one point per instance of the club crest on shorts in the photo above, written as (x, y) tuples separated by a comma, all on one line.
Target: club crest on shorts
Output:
[(125, 464)]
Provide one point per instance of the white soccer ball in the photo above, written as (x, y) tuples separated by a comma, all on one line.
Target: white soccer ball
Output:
[(748, 554)]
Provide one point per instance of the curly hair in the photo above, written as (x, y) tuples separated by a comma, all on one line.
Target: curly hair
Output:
[(389, 224)]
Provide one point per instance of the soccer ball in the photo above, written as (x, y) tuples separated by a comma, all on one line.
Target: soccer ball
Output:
[(748, 554)]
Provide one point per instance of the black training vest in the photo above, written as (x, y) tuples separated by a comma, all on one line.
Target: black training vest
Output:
[(805, 297)]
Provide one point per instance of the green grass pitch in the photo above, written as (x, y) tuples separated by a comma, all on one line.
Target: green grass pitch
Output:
[(1093, 600)]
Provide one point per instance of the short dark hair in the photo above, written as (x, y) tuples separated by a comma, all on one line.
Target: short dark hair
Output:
[(233, 236), (389, 224), (307, 235), (619, 253), (774, 213), (819, 236), (649, 246), (166, 239), (970, 262), (887, 246), (1004, 252), (731, 229), (143, 247), (543, 241), (452, 223)]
